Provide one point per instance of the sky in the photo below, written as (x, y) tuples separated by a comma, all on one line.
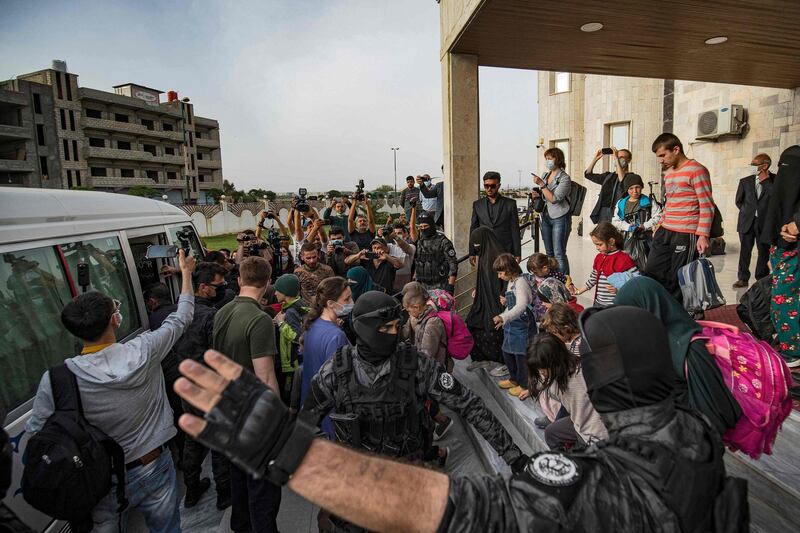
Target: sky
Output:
[(307, 93)]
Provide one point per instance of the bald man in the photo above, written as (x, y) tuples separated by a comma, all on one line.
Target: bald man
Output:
[(752, 199)]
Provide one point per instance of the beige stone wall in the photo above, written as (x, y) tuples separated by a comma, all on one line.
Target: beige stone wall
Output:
[(774, 125), (561, 117)]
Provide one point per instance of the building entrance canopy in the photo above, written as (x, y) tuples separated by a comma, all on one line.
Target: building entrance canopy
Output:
[(639, 38)]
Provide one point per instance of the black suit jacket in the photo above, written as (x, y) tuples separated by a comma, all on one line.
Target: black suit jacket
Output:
[(747, 202), (505, 222)]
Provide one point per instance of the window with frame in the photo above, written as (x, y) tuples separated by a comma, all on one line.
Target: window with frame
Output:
[(150, 148), (66, 149), (147, 123), (120, 117), (560, 82), (40, 134), (184, 236), (101, 172), (152, 174), (123, 145), (127, 173), (37, 103), (172, 175), (166, 126), (97, 142), (618, 135), (169, 150), (563, 145), (93, 113), (33, 291), (108, 273)]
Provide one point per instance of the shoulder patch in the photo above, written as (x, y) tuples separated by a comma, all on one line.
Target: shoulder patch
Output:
[(451, 252), (446, 381), (554, 469)]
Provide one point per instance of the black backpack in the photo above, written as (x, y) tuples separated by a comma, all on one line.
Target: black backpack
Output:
[(69, 462), (577, 194)]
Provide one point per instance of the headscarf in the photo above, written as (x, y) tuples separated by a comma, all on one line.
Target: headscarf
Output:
[(617, 377), (785, 200), (363, 283), (488, 286), (553, 291), (373, 310), (701, 385)]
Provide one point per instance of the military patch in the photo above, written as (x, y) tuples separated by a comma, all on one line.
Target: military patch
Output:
[(554, 469), (451, 252), (446, 381)]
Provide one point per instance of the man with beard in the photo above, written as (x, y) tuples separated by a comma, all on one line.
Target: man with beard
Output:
[(660, 470), (311, 272), (435, 263), (498, 213)]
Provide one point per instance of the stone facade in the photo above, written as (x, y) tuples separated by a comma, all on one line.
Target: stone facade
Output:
[(651, 106), (114, 141)]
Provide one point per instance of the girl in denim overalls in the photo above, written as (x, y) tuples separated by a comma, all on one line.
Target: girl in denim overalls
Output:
[(517, 321)]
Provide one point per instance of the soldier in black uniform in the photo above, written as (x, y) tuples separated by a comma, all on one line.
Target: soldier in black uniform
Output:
[(435, 262), (660, 470)]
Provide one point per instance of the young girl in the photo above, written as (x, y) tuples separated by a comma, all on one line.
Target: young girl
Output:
[(636, 216), (607, 239), (556, 372), (515, 321)]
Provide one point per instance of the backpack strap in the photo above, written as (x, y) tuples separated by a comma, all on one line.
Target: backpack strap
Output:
[(64, 384), (342, 369)]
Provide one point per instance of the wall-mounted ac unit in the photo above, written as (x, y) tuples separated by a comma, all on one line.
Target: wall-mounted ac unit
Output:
[(725, 120)]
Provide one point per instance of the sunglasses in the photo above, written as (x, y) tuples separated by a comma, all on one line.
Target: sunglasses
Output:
[(491, 185)]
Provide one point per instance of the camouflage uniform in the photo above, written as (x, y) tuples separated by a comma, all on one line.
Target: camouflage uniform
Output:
[(435, 261)]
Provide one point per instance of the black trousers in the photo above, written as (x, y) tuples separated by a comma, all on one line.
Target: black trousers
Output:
[(670, 251), (254, 504), (746, 241), (194, 454)]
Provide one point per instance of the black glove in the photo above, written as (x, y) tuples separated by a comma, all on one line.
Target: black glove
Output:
[(451, 289), (251, 427), (519, 464)]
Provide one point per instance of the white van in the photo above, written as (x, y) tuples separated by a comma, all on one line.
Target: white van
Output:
[(44, 236)]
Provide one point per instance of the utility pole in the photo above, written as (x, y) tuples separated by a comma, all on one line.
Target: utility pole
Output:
[(519, 187), (394, 152)]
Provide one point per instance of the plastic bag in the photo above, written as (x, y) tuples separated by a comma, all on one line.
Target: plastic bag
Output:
[(637, 246)]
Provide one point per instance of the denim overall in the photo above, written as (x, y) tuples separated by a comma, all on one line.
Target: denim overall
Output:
[(515, 332)]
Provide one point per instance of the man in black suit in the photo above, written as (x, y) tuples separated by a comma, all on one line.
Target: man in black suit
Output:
[(752, 199), (498, 213)]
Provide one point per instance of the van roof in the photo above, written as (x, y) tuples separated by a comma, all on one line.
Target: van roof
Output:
[(31, 214)]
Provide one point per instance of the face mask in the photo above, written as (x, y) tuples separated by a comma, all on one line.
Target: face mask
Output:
[(284, 260), (428, 183), (755, 168), (345, 310), (550, 164), (219, 293), (623, 163), (430, 231)]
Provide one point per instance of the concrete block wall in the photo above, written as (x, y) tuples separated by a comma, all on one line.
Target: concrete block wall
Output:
[(561, 117)]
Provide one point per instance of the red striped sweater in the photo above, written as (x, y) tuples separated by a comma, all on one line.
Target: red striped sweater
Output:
[(689, 207)]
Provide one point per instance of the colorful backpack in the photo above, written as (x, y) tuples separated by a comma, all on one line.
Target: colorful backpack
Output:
[(459, 339), (759, 380)]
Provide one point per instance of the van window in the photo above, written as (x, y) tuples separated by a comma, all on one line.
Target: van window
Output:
[(108, 273), (185, 234), (33, 290)]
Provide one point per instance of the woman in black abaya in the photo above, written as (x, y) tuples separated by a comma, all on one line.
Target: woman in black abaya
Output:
[(486, 304)]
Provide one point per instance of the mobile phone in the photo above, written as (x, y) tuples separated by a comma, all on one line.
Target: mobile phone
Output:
[(607, 151), (161, 251), (83, 275)]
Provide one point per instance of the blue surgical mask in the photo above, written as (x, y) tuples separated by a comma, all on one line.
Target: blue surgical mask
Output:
[(428, 183), (345, 310), (550, 164), (623, 163)]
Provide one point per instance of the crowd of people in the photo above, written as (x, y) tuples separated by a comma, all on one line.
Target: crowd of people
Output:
[(329, 328)]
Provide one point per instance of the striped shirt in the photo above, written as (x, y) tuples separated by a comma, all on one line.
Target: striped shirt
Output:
[(605, 265), (689, 207)]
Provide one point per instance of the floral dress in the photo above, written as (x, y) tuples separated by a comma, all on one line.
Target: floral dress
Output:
[(786, 299)]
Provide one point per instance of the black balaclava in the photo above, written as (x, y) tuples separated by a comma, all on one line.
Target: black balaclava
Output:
[(372, 310), (625, 358), (427, 218)]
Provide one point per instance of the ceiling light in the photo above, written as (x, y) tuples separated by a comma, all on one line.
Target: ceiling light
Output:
[(589, 27), (716, 40)]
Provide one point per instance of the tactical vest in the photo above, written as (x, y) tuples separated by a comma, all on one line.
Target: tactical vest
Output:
[(430, 260), (389, 418)]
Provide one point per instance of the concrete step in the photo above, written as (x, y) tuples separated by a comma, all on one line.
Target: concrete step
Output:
[(773, 480)]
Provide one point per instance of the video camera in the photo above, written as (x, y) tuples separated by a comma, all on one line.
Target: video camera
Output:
[(274, 238), (302, 202), (359, 194), (184, 236)]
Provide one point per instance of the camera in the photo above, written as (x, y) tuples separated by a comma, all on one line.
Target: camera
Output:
[(247, 237), (255, 248), (337, 244), (302, 201), (184, 237), (274, 238), (370, 255), (359, 194)]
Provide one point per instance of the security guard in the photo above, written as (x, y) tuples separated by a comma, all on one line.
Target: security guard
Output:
[(435, 263)]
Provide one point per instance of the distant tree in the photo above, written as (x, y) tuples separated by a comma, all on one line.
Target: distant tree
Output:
[(333, 193), (384, 189), (214, 194), (270, 195), (140, 190)]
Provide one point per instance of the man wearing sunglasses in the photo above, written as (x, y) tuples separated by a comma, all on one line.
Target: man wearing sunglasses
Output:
[(378, 391), (122, 392), (209, 288), (497, 213)]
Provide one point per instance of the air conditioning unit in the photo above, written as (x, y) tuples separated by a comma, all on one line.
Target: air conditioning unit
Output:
[(725, 120)]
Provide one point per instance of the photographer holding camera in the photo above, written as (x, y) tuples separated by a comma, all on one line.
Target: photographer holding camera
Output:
[(338, 250), (251, 246), (314, 227), (336, 213), (380, 266), (361, 228), (397, 236)]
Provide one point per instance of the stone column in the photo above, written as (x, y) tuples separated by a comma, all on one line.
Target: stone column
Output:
[(461, 144)]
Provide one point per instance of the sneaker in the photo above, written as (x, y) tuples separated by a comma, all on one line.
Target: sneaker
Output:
[(478, 364), (223, 497), (515, 391), (441, 429), (541, 422), (740, 284), (792, 362), (194, 494), (506, 384), (499, 372)]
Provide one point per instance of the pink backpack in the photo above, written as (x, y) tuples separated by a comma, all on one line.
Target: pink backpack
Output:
[(759, 380), (459, 339)]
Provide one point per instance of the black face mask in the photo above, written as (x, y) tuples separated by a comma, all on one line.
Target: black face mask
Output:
[(372, 310), (430, 231), (219, 293)]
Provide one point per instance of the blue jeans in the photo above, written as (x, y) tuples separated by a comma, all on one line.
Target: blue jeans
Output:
[(517, 368), (153, 490), (554, 234)]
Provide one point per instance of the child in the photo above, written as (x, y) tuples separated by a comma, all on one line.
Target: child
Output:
[(516, 322), (607, 239), (557, 372), (636, 215)]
